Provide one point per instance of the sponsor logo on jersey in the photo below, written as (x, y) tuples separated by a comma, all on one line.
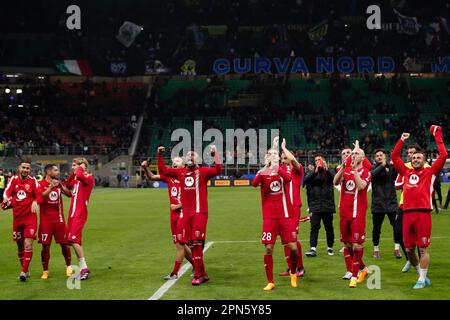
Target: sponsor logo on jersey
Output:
[(189, 181), (21, 194), (53, 196), (174, 191), (275, 186), (350, 185), (414, 179)]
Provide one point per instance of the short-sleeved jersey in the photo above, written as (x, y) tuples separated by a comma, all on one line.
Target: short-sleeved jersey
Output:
[(174, 189), (51, 206), (193, 183), (354, 202), (275, 200), (22, 194)]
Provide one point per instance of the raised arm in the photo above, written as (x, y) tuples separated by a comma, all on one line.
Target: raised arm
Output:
[(79, 174), (162, 168), (257, 180), (148, 173), (399, 165), (217, 170), (284, 174), (297, 166), (439, 163), (338, 177)]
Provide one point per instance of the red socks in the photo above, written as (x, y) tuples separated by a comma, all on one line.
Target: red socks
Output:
[(348, 256), (268, 265), (65, 249), (300, 255), (176, 267), (287, 256), (45, 257), (27, 255), (197, 255), (357, 259)]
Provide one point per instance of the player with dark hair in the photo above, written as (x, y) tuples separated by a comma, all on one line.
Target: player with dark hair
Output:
[(21, 194), (176, 211), (384, 200), (398, 224), (295, 169), (194, 201), (417, 204), (354, 178), (278, 215), (81, 182), (52, 222)]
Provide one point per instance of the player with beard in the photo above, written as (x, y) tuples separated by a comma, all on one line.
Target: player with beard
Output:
[(194, 201), (417, 203), (21, 194), (52, 222), (176, 211)]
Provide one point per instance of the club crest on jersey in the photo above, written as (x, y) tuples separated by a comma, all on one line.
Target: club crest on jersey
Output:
[(356, 236), (414, 179), (350, 185), (21, 195), (27, 187), (275, 186), (174, 191), (53, 196), (189, 181)]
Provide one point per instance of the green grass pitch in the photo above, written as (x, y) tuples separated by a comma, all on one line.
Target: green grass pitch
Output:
[(129, 250)]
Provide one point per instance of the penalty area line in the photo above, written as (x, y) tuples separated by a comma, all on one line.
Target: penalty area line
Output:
[(169, 283)]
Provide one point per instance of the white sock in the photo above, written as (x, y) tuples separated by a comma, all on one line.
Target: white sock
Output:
[(422, 274), (397, 246), (330, 248), (417, 269), (82, 263), (376, 248), (313, 248)]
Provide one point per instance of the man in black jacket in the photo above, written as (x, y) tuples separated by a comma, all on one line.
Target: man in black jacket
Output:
[(384, 200), (320, 193)]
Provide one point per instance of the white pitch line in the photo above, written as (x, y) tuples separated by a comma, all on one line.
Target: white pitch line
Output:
[(166, 286)]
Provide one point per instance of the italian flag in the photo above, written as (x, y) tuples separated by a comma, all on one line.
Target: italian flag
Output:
[(78, 67)]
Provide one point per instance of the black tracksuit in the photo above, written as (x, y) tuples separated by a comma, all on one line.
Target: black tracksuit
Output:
[(320, 193), (384, 200)]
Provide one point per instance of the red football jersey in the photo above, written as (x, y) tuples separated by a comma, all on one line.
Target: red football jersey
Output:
[(51, 206), (275, 200), (22, 194), (174, 188), (418, 184), (353, 202), (81, 191), (295, 185), (194, 184)]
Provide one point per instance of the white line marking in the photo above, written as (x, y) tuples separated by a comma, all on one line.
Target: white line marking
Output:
[(166, 286)]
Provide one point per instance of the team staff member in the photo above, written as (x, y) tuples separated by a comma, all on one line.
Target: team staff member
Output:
[(320, 193), (384, 200), (417, 204)]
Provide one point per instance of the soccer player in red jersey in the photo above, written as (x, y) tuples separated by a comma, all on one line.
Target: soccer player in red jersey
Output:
[(21, 194), (174, 188), (297, 172), (194, 200), (52, 222), (354, 178), (279, 217), (417, 204), (81, 183)]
